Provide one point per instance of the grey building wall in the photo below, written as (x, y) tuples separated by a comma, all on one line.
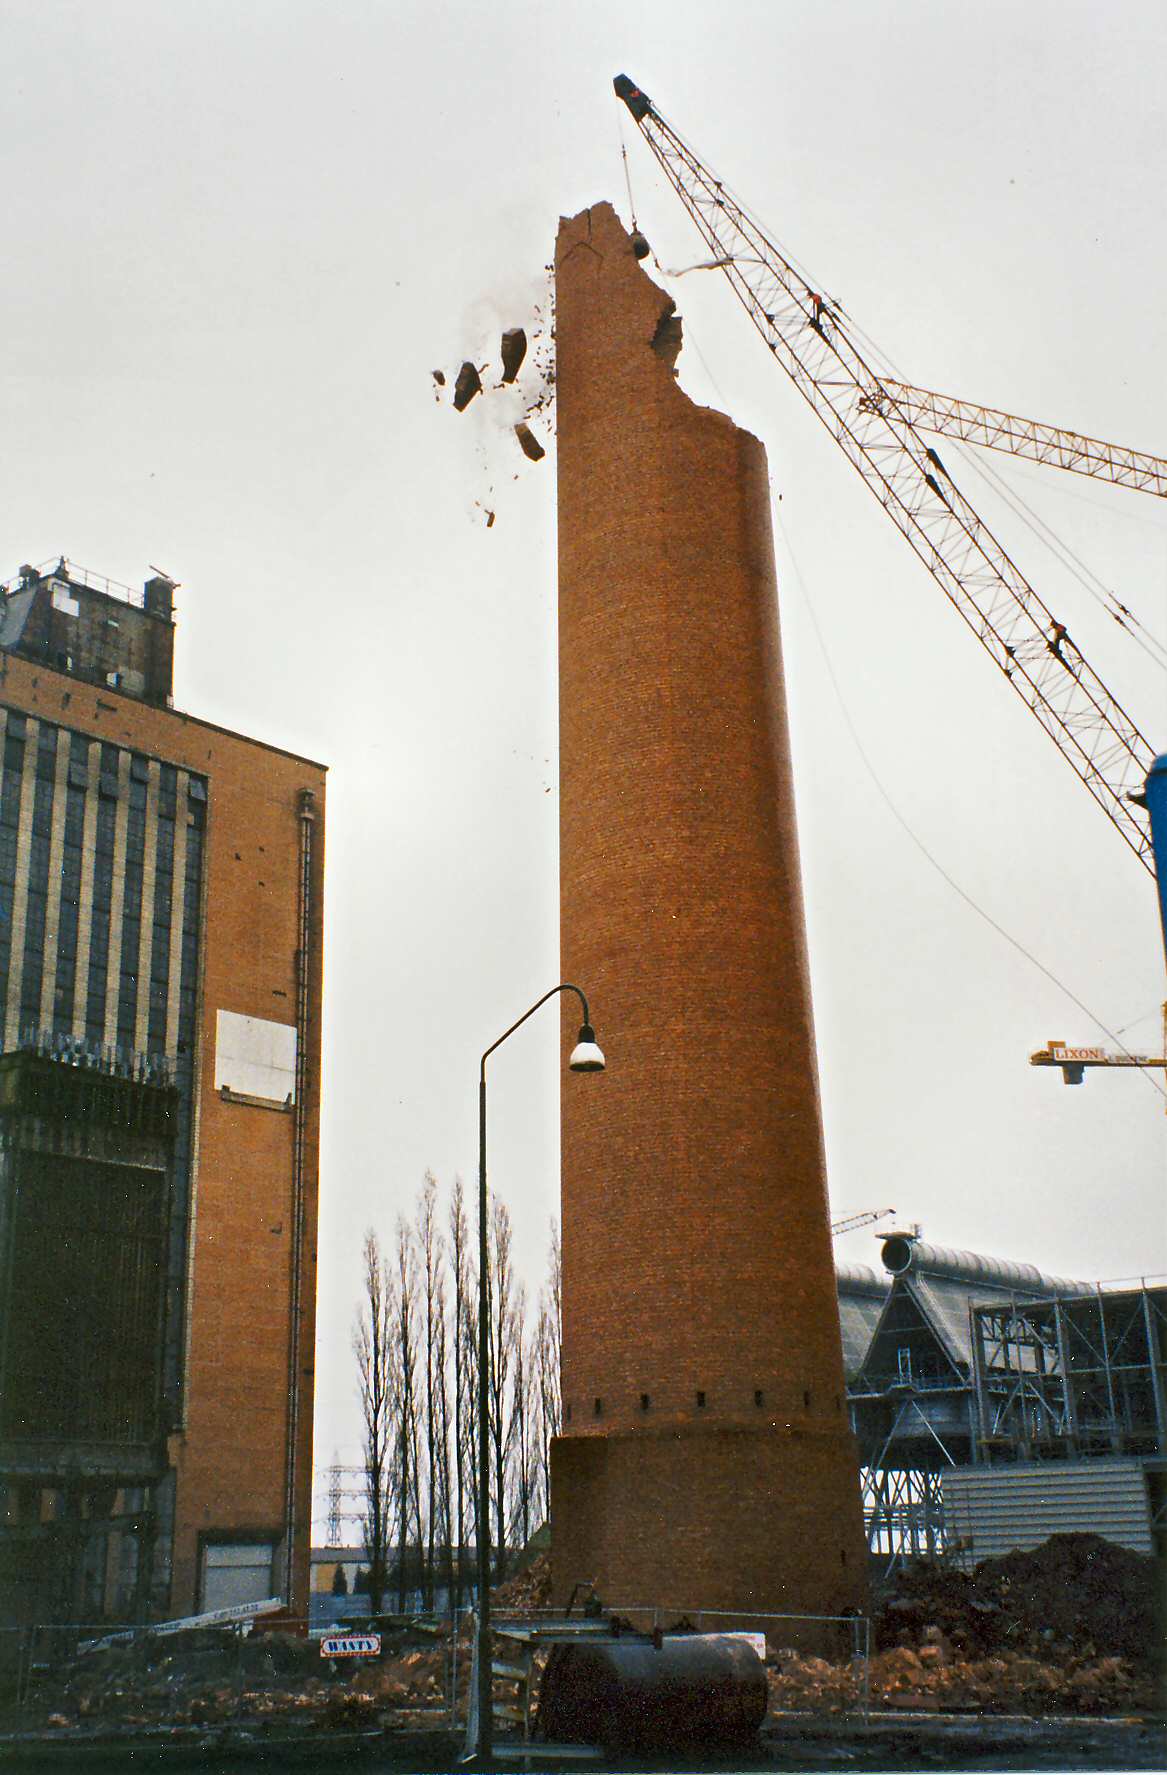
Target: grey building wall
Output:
[(989, 1511)]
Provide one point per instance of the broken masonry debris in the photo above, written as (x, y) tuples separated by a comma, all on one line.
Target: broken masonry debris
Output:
[(439, 377), (514, 350), (469, 384), (529, 443)]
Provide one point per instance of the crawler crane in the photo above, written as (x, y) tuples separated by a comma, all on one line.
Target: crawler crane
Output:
[(878, 424)]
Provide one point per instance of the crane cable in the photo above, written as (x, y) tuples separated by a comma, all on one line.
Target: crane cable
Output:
[(1074, 565), (627, 174), (902, 822), (1106, 599)]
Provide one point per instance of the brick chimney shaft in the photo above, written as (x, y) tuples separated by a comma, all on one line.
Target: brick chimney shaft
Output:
[(707, 1459)]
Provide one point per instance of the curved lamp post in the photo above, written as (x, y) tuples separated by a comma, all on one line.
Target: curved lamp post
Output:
[(585, 1057)]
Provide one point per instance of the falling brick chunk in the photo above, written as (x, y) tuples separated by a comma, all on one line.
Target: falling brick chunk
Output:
[(529, 443), (514, 350), (439, 377), (469, 384)]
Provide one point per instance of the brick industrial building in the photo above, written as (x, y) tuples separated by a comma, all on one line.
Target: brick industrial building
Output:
[(706, 1458), (160, 978)]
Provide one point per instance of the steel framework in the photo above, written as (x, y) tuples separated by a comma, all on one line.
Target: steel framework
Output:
[(1052, 444), (807, 337), (903, 1512), (346, 1496), (1066, 1378)]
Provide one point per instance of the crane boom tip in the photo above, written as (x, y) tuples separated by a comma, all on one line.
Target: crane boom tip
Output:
[(638, 102)]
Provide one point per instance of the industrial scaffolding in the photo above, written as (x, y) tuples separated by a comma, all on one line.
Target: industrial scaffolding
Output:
[(1066, 1379), (1071, 1377)]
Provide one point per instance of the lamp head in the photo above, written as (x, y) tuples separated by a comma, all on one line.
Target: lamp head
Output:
[(586, 1055)]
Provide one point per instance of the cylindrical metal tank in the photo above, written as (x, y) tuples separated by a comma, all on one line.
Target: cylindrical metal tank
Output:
[(903, 1255), (631, 1694), (706, 1459)]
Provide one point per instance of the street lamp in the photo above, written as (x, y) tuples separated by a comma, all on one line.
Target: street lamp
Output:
[(584, 1057)]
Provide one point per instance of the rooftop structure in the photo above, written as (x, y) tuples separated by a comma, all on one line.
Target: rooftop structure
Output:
[(93, 629)]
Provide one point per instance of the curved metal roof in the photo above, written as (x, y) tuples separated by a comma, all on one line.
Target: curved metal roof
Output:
[(860, 1278), (904, 1256)]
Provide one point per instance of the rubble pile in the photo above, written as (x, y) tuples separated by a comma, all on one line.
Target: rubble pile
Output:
[(935, 1680), (212, 1677), (528, 1589), (1067, 1628)]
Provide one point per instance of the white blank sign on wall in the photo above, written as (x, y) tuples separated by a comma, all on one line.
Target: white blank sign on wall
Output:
[(255, 1057)]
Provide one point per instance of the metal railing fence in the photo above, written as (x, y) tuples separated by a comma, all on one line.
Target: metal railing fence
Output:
[(425, 1668)]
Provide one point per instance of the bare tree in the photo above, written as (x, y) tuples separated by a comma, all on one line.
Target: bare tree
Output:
[(417, 1360), (459, 1267), (373, 1349), (430, 1244), (500, 1363), (469, 1334), (405, 1361), (548, 1339), (441, 1474), (521, 1439)]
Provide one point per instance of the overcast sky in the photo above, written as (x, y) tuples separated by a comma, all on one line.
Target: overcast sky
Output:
[(242, 235)]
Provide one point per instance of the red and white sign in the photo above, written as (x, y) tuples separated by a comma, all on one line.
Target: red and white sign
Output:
[(1060, 1052), (351, 1645)]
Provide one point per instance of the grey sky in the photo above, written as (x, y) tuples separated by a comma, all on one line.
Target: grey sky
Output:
[(240, 237)]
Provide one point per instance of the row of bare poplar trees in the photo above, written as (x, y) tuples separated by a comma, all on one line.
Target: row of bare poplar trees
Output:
[(416, 1347)]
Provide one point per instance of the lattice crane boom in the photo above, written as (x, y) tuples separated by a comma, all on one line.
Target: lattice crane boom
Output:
[(1053, 444), (867, 1218), (808, 338)]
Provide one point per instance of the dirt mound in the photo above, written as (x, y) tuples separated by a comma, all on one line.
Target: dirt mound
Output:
[(1075, 1594), (1079, 1588)]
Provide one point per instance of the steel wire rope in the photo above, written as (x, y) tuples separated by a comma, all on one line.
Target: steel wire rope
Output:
[(887, 363), (883, 361), (627, 170), (1155, 1011), (1043, 532), (780, 531), (688, 336), (1101, 593), (901, 820)]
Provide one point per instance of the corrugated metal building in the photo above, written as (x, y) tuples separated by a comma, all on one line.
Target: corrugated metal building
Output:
[(988, 1511), (966, 1372)]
